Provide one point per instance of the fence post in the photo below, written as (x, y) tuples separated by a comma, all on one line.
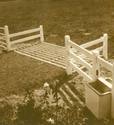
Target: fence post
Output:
[(41, 33), (112, 107), (105, 46), (68, 66), (95, 65), (6, 30)]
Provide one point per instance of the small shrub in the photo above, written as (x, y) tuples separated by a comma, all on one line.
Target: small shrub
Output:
[(6, 114), (27, 113), (43, 107)]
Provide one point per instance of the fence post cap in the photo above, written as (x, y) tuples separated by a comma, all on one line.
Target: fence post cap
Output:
[(105, 35), (6, 26), (41, 25), (67, 37)]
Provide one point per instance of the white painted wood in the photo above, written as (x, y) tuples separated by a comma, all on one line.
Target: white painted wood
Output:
[(36, 58), (24, 32), (81, 49), (95, 67), (54, 45), (6, 30), (104, 63), (3, 43), (41, 33), (105, 46), (98, 49), (2, 38), (98, 103), (2, 34), (91, 43), (1, 28), (25, 39), (82, 73), (69, 69), (46, 53), (80, 60), (46, 56)]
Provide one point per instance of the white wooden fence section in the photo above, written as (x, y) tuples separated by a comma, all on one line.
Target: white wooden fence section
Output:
[(103, 76), (3, 43), (80, 60), (78, 55), (24, 36), (103, 49)]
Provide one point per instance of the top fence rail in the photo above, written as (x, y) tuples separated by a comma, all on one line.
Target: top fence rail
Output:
[(1, 28), (24, 32)]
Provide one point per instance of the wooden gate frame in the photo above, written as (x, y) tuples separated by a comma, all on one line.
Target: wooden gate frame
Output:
[(84, 50), (72, 66), (9, 36), (99, 61)]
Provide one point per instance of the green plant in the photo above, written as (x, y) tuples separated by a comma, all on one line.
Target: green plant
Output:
[(28, 113), (6, 114)]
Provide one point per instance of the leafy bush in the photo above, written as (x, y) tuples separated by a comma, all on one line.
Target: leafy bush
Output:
[(6, 114), (43, 107)]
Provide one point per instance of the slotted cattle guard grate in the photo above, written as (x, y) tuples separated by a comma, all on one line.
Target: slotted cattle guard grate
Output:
[(52, 54)]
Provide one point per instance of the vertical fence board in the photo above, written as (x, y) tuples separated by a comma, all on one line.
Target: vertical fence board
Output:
[(6, 30)]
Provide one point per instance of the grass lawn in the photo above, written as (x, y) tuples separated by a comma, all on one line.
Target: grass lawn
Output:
[(19, 73), (59, 17)]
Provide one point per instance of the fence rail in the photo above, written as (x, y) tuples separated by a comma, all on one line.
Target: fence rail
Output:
[(1, 28), (20, 37), (103, 48), (24, 32), (75, 58), (29, 35), (109, 67), (25, 39), (71, 44), (104, 63), (94, 59), (81, 72), (80, 60)]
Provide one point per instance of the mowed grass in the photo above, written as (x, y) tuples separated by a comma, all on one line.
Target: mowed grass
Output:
[(59, 17), (19, 74)]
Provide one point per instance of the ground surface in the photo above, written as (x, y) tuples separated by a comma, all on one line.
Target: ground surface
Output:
[(83, 20), (19, 73)]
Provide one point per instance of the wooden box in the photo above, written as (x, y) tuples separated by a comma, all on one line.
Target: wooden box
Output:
[(98, 99)]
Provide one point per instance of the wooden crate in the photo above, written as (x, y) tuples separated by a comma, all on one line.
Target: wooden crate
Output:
[(98, 99)]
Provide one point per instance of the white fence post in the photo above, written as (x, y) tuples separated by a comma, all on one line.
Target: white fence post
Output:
[(112, 107), (6, 30), (68, 67), (41, 34), (95, 65), (105, 46)]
